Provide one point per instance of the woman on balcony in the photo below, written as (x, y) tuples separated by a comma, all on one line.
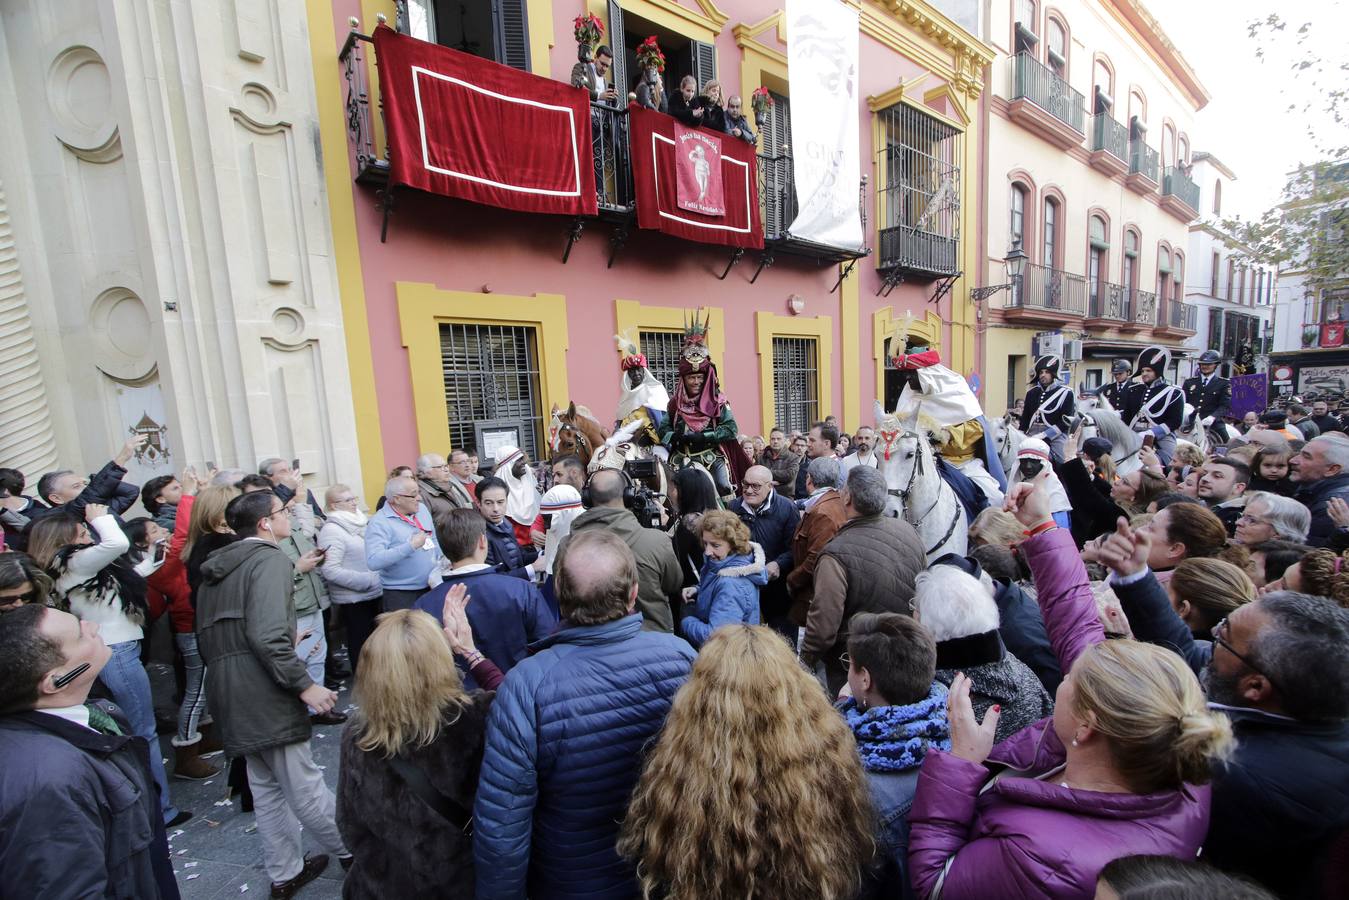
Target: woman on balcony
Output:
[(714, 109)]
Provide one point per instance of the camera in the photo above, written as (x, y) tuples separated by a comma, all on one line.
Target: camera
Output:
[(642, 501)]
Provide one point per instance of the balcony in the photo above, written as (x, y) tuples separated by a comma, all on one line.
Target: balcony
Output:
[(1142, 167), (1177, 320), (1180, 195), (778, 208), (1109, 145), (1144, 311), (1045, 295), (1042, 102), (1111, 306)]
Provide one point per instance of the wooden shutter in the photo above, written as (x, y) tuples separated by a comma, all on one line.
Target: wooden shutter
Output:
[(705, 64), (618, 43), (778, 125), (510, 28)]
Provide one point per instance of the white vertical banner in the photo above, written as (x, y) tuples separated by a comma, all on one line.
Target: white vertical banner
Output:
[(822, 63)]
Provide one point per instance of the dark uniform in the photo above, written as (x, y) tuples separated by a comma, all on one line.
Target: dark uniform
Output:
[(1328, 423), (1115, 392), (1053, 406), (1210, 398), (1158, 406)]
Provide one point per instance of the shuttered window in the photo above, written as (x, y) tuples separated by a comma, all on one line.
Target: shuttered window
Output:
[(661, 349), (796, 399), (491, 375), (920, 198), (705, 64), (777, 188), (493, 29), (511, 24), (616, 38)]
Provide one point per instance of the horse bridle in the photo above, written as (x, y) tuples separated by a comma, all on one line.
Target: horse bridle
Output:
[(902, 494), (578, 437)]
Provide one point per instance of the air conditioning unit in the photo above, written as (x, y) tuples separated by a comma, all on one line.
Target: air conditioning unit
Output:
[(1072, 351)]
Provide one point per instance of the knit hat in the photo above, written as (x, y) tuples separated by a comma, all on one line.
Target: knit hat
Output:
[(1273, 417), (1097, 447)]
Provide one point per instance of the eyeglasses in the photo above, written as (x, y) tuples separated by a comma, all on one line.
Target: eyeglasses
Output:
[(416, 496), (1248, 518), (753, 486), (1218, 638), (28, 596)]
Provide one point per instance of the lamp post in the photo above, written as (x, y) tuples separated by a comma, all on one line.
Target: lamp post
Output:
[(1015, 262)]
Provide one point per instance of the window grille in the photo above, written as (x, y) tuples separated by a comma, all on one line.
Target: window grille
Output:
[(795, 383), (491, 373), (920, 202), (661, 349)]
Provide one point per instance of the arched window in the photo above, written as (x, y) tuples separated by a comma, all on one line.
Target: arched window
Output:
[(1138, 107), (1163, 272), (1056, 43), (1183, 153), (1217, 196), (1178, 279), (1103, 86), (1129, 268), (1051, 227), (1017, 225), (1025, 31), (1098, 246), (1168, 146)]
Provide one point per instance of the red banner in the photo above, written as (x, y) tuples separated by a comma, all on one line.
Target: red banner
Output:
[(698, 169), (655, 173), (1332, 335), (467, 127)]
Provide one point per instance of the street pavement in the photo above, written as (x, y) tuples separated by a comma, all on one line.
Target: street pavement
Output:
[(217, 853)]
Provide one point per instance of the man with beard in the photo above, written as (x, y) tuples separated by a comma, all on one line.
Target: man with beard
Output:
[(641, 396), (699, 428), (1277, 667), (522, 501), (864, 451), (1155, 407), (1050, 404)]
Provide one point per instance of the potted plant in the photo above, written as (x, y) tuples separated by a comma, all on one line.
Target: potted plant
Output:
[(650, 58), (762, 102), (588, 30)]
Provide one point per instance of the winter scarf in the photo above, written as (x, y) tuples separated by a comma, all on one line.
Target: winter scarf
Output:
[(167, 516), (896, 738)]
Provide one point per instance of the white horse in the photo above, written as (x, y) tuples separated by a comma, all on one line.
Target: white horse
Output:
[(1196, 434), (1125, 442), (918, 493)]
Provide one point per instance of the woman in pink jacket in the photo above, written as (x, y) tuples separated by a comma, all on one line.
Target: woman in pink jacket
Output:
[(1115, 772)]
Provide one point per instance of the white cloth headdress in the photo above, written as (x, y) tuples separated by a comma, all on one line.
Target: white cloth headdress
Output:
[(522, 501)]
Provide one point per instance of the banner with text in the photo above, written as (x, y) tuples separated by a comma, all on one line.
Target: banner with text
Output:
[(822, 54), (467, 127), (1250, 393), (698, 169)]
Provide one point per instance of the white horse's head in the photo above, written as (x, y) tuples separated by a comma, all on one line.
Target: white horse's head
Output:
[(618, 448)]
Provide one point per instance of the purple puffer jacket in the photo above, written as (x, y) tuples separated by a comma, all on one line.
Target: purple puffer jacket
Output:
[(1023, 837)]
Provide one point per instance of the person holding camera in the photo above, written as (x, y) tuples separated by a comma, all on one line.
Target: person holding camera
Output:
[(658, 573)]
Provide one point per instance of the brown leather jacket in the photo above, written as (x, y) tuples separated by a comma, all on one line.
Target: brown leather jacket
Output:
[(784, 468), (818, 526)]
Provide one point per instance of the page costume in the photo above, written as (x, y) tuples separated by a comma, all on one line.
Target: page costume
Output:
[(701, 430)]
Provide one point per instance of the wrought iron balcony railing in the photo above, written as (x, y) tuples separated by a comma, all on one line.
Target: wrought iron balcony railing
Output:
[(1145, 307), (1178, 184), (1111, 301), (1181, 315), (1110, 136), (1040, 287), (1042, 86), (613, 164), (1142, 159)]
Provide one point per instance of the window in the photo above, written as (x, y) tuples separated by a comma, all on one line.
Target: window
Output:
[(1241, 285), (1016, 232), (1096, 259), (1094, 379), (683, 56), (920, 198), (1231, 276), (1213, 276), (778, 189), (1217, 197), (491, 375), (1163, 272), (1051, 257), (795, 383), (1129, 270), (1138, 109), (1183, 153), (1178, 279), (661, 349), (1168, 146), (1215, 329), (1103, 80), (1057, 47), (492, 29), (1026, 34)]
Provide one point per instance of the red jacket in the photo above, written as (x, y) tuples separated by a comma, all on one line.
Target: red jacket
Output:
[(168, 585)]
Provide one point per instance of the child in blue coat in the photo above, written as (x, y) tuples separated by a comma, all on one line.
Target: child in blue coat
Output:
[(729, 581)]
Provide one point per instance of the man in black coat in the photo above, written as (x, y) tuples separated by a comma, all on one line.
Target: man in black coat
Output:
[(1211, 395), (1049, 403), (1324, 420), (772, 520), (1116, 391), (79, 810), (66, 492), (1154, 406)]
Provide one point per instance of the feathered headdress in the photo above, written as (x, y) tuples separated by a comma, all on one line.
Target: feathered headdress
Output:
[(695, 351), (629, 358)]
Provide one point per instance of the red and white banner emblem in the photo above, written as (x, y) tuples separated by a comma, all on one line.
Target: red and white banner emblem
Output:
[(698, 171)]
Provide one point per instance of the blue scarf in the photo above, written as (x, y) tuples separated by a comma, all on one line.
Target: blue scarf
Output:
[(896, 738)]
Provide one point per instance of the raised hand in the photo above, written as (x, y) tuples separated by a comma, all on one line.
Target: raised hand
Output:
[(454, 617), (970, 738), (1029, 501), (93, 510), (1126, 551), (1339, 512)]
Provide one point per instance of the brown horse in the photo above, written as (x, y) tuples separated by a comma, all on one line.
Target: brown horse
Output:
[(576, 431)]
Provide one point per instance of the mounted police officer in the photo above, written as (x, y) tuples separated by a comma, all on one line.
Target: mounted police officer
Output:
[(1117, 390), (1154, 407), (1050, 404), (1211, 395)]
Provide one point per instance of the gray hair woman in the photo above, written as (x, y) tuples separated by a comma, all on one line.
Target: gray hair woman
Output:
[(1269, 517)]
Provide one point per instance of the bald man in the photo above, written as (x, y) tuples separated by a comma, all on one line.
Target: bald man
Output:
[(567, 733), (772, 520)]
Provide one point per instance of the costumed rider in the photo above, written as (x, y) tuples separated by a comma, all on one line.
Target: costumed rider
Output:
[(941, 401), (1031, 459), (1155, 408), (1115, 392), (1211, 395), (1050, 406), (699, 428), (641, 397), (522, 501)]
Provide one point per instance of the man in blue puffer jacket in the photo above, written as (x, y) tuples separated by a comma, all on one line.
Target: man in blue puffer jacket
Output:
[(566, 736)]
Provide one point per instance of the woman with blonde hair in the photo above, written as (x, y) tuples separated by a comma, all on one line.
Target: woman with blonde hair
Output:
[(410, 757), (207, 531), (754, 788), (728, 584), (714, 106), (1203, 592), (1117, 770), (997, 527)]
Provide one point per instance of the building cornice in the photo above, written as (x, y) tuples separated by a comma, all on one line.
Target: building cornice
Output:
[(1145, 28), (970, 56)]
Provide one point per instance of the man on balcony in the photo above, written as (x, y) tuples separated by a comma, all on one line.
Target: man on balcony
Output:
[(1117, 390), (1049, 406), (1154, 407), (1210, 395), (590, 76)]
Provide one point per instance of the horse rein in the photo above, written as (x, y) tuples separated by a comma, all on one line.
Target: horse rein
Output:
[(902, 494)]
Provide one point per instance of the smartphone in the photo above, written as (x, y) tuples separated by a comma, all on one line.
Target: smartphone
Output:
[(159, 550), (1219, 451)]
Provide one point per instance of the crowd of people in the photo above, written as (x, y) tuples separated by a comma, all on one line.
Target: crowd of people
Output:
[(774, 692)]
